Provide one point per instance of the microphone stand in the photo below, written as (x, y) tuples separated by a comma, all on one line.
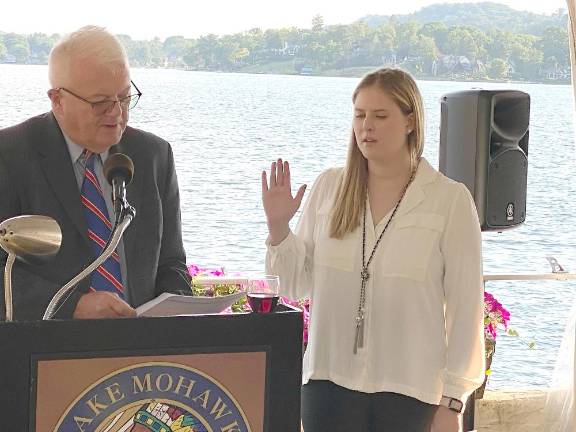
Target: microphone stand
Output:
[(126, 215)]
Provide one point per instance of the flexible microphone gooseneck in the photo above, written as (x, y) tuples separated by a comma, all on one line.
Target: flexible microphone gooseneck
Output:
[(119, 171)]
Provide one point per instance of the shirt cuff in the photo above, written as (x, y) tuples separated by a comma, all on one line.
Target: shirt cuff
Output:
[(457, 392), (280, 245), (276, 250)]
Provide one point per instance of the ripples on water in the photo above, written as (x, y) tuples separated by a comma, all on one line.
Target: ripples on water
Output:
[(226, 128)]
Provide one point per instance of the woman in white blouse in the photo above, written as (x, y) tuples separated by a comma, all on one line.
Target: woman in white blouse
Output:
[(389, 251)]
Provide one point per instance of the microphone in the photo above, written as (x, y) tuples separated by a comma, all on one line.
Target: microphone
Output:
[(119, 171), (32, 238)]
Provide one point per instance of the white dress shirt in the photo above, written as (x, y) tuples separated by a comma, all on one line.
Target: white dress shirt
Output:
[(423, 329)]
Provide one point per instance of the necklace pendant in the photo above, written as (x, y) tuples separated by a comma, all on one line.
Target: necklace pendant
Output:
[(364, 275), (359, 339)]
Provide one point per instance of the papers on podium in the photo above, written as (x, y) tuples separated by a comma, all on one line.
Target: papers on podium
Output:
[(168, 304)]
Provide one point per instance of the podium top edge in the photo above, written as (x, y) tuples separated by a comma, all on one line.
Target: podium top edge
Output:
[(281, 309)]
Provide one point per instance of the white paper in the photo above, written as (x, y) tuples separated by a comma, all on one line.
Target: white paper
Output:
[(167, 304)]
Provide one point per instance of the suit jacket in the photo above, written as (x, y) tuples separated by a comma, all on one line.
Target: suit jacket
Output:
[(37, 177)]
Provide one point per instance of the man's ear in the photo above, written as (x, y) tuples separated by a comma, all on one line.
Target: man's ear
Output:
[(56, 99)]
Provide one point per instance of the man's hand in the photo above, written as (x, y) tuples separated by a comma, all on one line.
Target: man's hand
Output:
[(102, 304), (446, 420)]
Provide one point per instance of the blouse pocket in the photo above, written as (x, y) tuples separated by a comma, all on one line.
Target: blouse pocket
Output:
[(330, 252), (411, 246)]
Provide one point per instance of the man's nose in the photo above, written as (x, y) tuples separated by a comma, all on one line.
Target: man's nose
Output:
[(116, 108)]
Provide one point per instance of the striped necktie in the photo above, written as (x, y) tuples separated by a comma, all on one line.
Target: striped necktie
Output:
[(107, 277)]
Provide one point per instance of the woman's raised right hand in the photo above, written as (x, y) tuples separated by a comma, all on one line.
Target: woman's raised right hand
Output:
[(279, 204)]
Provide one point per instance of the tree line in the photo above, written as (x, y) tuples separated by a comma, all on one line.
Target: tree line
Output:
[(428, 49)]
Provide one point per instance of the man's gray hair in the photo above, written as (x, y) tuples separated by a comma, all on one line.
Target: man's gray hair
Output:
[(89, 42)]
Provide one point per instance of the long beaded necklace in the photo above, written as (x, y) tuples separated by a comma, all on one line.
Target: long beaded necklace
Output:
[(364, 274)]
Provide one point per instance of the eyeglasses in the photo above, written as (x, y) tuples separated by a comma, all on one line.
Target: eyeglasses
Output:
[(106, 106)]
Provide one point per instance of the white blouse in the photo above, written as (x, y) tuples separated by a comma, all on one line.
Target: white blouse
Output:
[(423, 328)]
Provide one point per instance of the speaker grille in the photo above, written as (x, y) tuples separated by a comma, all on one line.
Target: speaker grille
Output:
[(506, 192)]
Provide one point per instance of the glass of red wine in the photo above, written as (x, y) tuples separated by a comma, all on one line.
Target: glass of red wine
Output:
[(262, 293)]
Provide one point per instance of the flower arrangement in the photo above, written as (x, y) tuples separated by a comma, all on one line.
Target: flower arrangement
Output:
[(215, 290), (199, 289), (496, 317)]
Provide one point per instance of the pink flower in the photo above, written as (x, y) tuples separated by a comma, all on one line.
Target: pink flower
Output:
[(495, 316), (195, 270)]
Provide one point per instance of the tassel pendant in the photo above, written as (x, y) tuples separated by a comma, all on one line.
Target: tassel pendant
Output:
[(359, 339)]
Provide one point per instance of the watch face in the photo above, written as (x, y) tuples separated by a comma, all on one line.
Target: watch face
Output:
[(455, 405)]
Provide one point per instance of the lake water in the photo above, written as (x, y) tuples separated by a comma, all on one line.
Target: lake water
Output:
[(226, 128)]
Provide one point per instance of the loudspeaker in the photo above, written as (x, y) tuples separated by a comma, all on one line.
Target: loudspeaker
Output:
[(484, 144)]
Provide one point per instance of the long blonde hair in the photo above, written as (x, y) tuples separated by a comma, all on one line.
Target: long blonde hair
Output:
[(350, 199)]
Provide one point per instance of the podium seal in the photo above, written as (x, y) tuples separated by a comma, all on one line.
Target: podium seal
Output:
[(154, 397)]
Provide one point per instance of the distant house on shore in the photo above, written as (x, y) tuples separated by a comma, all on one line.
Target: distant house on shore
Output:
[(458, 65), (9, 58), (554, 72)]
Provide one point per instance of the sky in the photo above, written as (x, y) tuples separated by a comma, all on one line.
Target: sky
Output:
[(189, 18)]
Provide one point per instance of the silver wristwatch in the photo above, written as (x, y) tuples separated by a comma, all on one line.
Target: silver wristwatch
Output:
[(455, 405)]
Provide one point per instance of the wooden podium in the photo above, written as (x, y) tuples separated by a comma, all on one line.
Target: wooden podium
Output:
[(221, 373)]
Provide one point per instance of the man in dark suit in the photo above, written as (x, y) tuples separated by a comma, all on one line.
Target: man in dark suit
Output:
[(41, 173)]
